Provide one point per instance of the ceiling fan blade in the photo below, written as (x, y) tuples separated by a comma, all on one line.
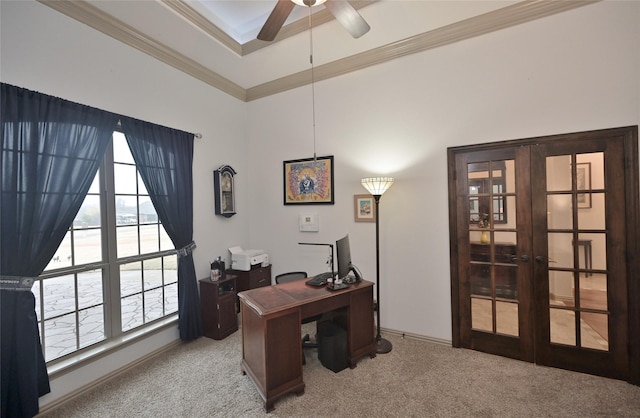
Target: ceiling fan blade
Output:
[(275, 20), (348, 17)]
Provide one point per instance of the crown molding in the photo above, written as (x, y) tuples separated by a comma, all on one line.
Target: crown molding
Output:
[(509, 16)]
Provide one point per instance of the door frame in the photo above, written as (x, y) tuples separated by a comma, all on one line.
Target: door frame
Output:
[(629, 136)]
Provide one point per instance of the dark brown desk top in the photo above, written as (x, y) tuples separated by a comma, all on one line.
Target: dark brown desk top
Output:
[(270, 299)]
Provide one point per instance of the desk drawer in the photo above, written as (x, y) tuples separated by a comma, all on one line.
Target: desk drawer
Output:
[(260, 277)]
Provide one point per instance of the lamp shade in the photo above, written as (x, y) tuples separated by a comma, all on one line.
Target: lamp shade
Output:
[(377, 185)]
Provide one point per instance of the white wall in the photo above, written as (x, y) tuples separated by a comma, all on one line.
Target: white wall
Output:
[(571, 72)]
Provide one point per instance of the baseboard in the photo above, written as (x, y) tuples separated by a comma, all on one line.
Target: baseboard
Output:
[(419, 337)]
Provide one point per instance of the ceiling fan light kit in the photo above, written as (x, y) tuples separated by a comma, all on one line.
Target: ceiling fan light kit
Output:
[(342, 10), (308, 3)]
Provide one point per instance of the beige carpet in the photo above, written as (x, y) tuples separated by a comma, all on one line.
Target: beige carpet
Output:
[(417, 379)]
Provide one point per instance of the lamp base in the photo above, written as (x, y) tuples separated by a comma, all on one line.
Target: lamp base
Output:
[(383, 346)]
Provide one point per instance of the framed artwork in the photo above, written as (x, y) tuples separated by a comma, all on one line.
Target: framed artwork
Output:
[(364, 208), (308, 181), (583, 182)]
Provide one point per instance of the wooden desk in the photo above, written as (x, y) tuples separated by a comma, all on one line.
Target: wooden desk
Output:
[(271, 331)]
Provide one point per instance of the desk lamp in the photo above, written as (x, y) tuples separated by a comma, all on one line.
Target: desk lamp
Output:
[(377, 186)]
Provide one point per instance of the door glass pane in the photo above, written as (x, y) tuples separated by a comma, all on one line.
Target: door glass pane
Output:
[(594, 331), (560, 250), (507, 318), (506, 282), (559, 211), (594, 179), (561, 288), (592, 217), (480, 280), (562, 326), (481, 315), (507, 212), (593, 292), (559, 173), (592, 251)]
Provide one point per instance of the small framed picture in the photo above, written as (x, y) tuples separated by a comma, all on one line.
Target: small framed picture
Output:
[(364, 208), (308, 181)]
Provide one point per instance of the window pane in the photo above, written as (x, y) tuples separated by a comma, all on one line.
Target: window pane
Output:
[(124, 177), (149, 239), (147, 211), (127, 237), (89, 214), (90, 291), (153, 305), (121, 152), (170, 269), (62, 257), (171, 298), (59, 296), (91, 326), (132, 313), (60, 335), (165, 241), (87, 246), (126, 210), (130, 278)]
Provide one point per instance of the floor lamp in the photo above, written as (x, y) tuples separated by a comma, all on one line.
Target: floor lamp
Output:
[(377, 186)]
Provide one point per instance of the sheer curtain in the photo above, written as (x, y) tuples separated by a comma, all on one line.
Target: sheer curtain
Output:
[(51, 151), (164, 158)]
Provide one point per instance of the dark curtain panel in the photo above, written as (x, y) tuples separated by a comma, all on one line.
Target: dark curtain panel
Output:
[(51, 151), (164, 158)]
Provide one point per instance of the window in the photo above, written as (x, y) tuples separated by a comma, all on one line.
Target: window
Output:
[(115, 270)]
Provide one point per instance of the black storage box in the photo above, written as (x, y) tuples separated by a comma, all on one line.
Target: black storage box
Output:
[(332, 346)]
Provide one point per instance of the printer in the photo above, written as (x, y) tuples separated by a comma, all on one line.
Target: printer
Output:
[(246, 260)]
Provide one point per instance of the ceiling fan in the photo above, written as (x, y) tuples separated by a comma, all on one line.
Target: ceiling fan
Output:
[(342, 10)]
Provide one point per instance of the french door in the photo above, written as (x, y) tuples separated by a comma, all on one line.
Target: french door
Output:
[(543, 250)]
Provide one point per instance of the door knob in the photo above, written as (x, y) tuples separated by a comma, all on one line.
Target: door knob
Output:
[(524, 258), (541, 259)]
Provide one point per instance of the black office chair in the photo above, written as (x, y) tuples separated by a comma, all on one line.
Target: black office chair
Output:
[(289, 277)]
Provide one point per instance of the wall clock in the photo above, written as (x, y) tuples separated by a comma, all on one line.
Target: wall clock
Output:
[(224, 187)]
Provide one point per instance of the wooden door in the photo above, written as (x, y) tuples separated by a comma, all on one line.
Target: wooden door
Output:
[(543, 250)]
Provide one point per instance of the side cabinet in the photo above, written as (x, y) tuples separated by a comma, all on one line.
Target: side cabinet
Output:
[(218, 304), (252, 279)]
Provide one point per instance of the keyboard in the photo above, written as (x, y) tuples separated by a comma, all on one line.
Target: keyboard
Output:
[(319, 279)]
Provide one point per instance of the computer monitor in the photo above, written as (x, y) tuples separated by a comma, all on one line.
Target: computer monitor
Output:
[(344, 256), (344, 259)]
